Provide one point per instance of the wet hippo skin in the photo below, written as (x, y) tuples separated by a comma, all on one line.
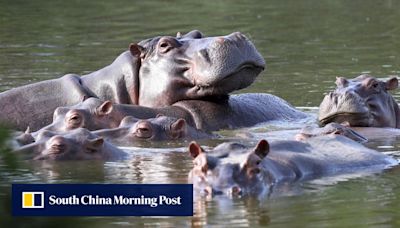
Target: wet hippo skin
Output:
[(330, 129), (156, 72), (235, 168)]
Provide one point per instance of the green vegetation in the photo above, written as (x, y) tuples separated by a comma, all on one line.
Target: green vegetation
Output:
[(7, 159)]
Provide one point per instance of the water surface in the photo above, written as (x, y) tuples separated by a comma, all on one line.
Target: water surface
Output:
[(306, 44)]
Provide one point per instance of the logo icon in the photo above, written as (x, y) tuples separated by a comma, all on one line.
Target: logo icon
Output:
[(32, 199)]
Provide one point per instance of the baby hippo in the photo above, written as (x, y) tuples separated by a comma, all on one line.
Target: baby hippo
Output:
[(91, 113), (330, 129), (77, 144), (154, 129), (234, 168)]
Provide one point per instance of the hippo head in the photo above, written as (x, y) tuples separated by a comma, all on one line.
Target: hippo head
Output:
[(230, 175), (154, 129), (192, 66), (330, 129), (91, 114), (363, 101), (78, 144)]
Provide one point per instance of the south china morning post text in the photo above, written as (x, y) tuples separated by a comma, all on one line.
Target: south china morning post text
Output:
[(116, 200), (102, 199)]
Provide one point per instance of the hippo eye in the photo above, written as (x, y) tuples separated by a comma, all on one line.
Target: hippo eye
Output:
[(164, 47), (75, 119), (143, 132), (374, 85), (166, 44), (258, 162)]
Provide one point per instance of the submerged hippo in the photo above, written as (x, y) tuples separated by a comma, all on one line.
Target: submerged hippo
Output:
[(155, 72), (330, 129), (132, 130), (236, 168), (361, 102), (77, 144)]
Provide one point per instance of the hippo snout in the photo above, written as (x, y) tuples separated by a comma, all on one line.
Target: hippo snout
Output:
[(343, 105), (232, 57), (57, 145)]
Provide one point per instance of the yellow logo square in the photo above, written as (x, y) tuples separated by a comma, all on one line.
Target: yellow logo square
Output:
[(32, 199)]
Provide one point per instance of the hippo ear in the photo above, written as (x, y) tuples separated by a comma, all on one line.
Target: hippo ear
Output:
[(195, 149), (392, 83), (262, 148), (195, 34), (104, 108), (137, 50), (341, 81), (178, 35), (178, 128), (28, 130), (159, 115), (94, 144)]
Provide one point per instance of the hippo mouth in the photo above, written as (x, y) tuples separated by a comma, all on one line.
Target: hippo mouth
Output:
[(352, 119), (245, 67), (225, 63), (243, 76)]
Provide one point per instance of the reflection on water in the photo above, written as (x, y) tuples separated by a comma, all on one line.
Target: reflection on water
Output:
[(306, 44)]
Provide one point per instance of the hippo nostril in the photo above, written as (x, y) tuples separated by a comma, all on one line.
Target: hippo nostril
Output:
[(57, 144), (58, 147)]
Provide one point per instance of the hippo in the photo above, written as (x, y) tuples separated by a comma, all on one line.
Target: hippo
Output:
[(155, 72), (160, 128), (90, 113), (361, 102), (234, 168), (77, 144), (331, 128), (129, 131), (206, 116)]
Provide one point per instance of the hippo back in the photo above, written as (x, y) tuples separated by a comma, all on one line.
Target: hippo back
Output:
[(327, 155)]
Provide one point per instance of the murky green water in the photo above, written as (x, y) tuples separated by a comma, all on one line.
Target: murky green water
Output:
[(306, 44)]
